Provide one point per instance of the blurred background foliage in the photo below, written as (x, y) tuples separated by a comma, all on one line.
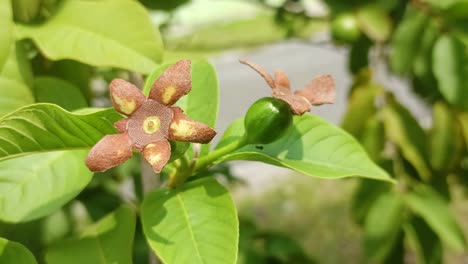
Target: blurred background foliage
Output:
[(423, 219)]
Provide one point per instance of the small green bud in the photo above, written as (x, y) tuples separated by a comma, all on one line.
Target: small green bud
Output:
[(345, 28)]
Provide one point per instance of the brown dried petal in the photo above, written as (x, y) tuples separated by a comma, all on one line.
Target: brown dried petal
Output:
[(282, 81), (126, 97), (157, 154), (183, 128), (136, 123), (174, 83), (121, 125), (261, 71), (109, 152), (321, 90), (298, 105)]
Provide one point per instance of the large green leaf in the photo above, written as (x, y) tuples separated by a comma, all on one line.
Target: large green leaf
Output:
[(314, 147), (196, 223), (382, 225), (374, 22), (451, 70), (423, 241), (364, 197), (113, 33), (47, 127), (406, 40), (38, 184), (6, 34), (15, 77), (435, 210), (59, 92), (403, 129), (110, 240), (15, 253)]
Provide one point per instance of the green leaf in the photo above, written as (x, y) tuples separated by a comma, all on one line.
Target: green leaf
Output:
[(15, 253), (364, 197), (407, 39), (47, 182), (60, 92), (6, 34), (435, 210), (403, 129), (47, 127), (14, 81), (108, 241), (451, 70), (424, 241), (84, 31), (446, 139), (361, 106), (313, 147), (74, 72), (450, 8), (382, 225), (374, 22), (196, 223)]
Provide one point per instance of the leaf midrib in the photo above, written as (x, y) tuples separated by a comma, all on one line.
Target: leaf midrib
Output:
[(189, 226)]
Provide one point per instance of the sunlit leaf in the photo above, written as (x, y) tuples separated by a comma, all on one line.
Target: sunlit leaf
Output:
[(6, 34), (47, 182), (407, 40), (374, 22), (47, 127), (196, 223), (403, 129), (451, 70), (313, 147), (84, 31)]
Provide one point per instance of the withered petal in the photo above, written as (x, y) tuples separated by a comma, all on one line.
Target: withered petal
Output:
[(298, 104), (183, 128), (109, 152), (321, 90), (157, 154), (261, 71), (174, 83), (121, 125), (126, 97), (282, 81)]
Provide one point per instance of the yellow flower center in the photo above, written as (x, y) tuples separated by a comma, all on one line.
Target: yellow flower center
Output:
[(151, 124)]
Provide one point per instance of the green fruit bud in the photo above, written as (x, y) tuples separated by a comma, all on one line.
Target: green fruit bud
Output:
[(178, 149), (267, 120), (345, 28)]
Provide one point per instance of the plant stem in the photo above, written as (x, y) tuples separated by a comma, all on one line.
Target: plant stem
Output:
[(208, 160)]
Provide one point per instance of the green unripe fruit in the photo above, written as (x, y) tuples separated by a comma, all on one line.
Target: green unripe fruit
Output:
[(345, 28), (267, 120)]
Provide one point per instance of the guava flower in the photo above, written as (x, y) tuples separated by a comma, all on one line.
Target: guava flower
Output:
[(151, 121), (321, 90)]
